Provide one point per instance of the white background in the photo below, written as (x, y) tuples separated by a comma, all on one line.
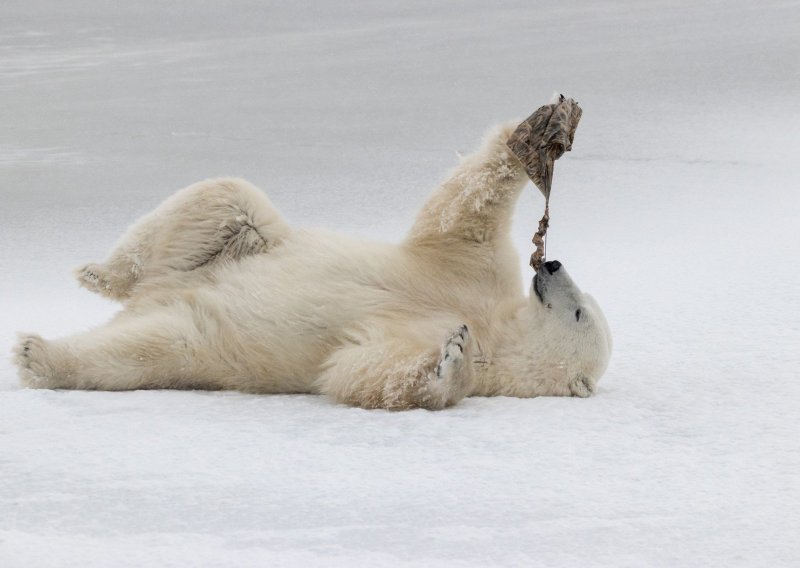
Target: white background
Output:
[(677, 210)]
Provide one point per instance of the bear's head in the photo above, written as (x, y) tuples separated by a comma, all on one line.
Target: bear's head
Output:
[(571, 330)]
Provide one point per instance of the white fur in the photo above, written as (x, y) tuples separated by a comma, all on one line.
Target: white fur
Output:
[(220, 293)]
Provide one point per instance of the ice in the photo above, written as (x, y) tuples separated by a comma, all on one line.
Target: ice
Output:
[(677, 209)]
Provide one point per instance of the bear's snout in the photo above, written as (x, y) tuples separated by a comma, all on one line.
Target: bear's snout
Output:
[(552, 266)]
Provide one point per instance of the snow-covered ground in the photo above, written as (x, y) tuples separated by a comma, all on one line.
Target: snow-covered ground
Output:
[(677, 209)]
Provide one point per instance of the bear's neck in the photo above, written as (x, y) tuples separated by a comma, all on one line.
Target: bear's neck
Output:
[(517, 364)]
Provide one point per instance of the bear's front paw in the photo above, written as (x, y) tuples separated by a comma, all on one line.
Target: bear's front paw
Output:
[(452, 378), (453, 353), (581, 386), (31, 357)]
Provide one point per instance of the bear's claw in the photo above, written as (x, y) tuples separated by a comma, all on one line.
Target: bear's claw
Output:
[(453, 353)]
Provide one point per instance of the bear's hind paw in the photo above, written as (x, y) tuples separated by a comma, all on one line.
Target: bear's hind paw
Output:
[(30, 355), (92, 277), (97, 278)]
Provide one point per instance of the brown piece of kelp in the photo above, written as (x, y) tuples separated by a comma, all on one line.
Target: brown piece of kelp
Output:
[(538, 142)]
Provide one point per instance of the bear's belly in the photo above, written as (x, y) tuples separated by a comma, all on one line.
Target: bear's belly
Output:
[(281, 321), (282, 314)]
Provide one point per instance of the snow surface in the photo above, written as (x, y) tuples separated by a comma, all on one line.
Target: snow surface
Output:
[(677, 209)]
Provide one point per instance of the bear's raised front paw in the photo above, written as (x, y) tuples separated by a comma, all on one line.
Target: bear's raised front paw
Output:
[(453, 353), (31, 357)]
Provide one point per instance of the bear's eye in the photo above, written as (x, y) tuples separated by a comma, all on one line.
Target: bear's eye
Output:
[(578, 314)]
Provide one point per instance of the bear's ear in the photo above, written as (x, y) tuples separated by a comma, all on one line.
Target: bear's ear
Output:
[(578, 313)]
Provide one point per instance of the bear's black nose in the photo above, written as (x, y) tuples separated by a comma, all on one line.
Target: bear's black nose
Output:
[(552, 266)]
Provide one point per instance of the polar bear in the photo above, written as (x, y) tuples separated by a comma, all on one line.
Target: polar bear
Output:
[(218, 292)]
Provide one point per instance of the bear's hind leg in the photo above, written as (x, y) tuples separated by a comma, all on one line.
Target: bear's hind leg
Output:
[(384, 369), (213, 220), (169, 349)]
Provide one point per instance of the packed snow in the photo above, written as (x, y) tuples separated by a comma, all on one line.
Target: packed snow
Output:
[(677, 210)]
